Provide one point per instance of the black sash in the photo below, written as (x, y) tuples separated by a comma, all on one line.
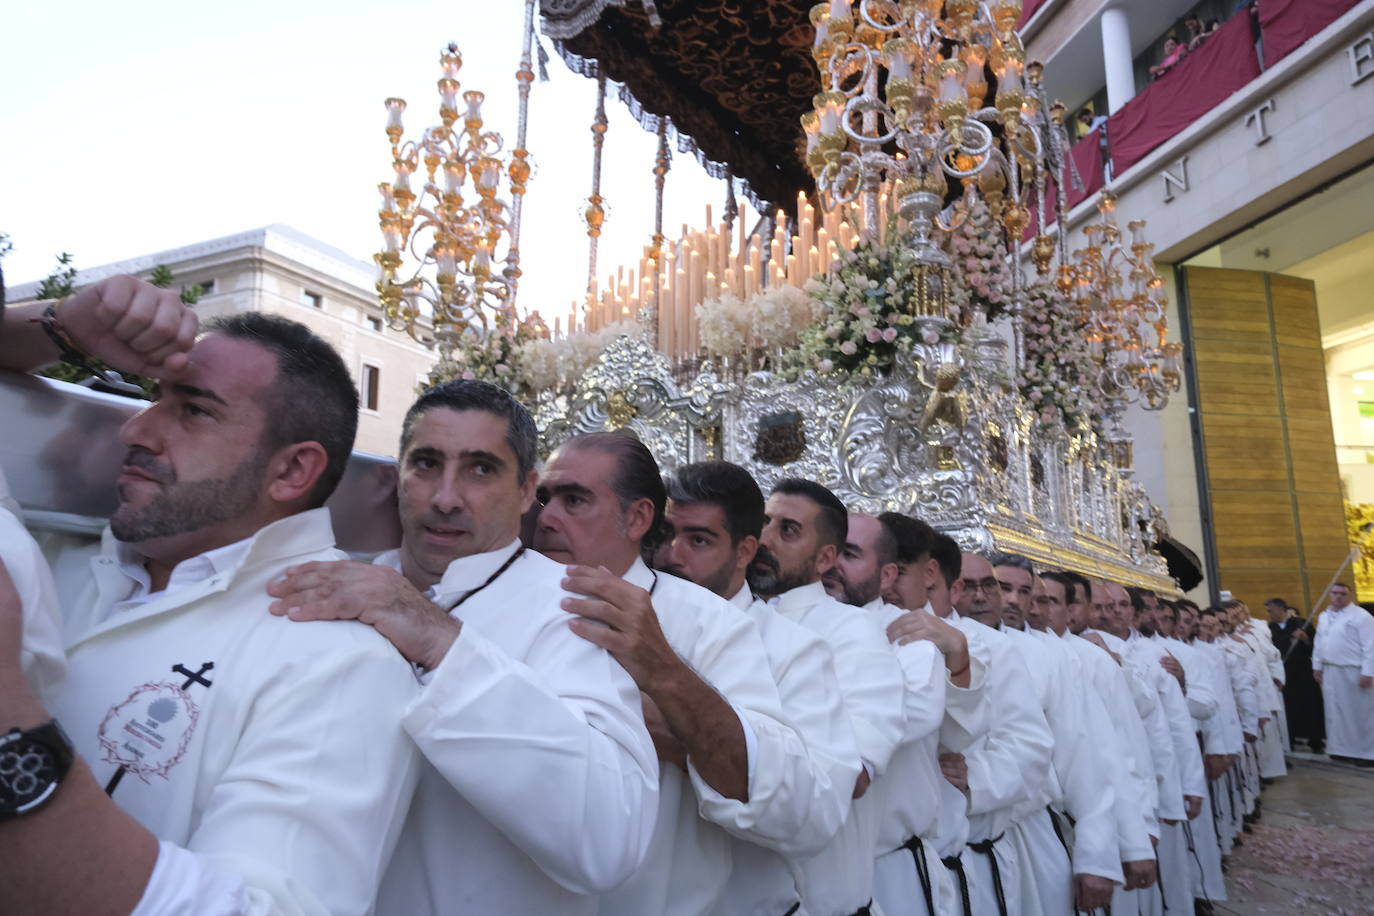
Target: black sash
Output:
[(913, 846), (985, 847), (956, 865)]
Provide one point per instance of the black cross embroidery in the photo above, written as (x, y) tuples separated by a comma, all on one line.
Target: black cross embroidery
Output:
[(192, 677)]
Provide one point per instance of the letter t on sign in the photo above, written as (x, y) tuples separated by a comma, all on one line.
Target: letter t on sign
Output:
[(1256, 118)]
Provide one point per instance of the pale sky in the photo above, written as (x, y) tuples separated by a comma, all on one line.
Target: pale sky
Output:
[(131, 128)]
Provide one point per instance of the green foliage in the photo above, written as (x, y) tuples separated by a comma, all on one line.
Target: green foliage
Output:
[(61, 281), (162, 278)]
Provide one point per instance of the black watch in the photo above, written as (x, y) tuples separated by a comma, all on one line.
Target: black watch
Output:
[(32, 764)]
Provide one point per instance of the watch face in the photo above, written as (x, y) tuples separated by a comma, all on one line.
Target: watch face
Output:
[(28, 774)]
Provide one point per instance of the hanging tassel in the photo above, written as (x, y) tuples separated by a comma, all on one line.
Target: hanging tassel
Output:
[(543, 58)]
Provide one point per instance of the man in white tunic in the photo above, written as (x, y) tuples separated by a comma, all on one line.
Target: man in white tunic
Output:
[(714, 518), (928, 567), (1065, 874), (909, 879), (40, 656), (1130, 768), (231, 762), (540, 782), (729, 759), (1008, 767), (1343, 664), (805, 529)]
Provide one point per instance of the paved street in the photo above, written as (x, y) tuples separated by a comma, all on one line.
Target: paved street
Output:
[(1313, 850)]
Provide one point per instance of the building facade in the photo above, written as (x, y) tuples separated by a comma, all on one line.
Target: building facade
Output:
[(280, 270), (1251, 156)]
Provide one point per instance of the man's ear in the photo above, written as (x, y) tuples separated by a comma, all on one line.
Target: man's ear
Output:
[(745, 551), (825, 558), (639, 518), (293, 471), (527, 490), (887, 577)]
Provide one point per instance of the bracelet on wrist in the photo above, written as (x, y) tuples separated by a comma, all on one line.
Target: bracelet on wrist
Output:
[(67, 351)]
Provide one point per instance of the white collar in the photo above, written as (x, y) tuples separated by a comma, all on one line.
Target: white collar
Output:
[(302, 532), (467, 573), (744, 598), (640, 574), (802, 597)]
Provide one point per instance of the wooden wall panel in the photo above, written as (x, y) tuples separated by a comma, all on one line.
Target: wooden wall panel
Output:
[(1278, 522)]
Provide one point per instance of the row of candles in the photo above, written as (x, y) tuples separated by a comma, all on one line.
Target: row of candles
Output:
[(709, 263)]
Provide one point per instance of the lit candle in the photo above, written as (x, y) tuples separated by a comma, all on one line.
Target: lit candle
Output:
[(474, 100)]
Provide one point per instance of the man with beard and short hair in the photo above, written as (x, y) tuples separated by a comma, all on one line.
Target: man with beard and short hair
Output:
[(1005, 767), (711, 533), (726, 749), (203, 723), (1085, 877), (909, 879), (508, 689), (805, 530)]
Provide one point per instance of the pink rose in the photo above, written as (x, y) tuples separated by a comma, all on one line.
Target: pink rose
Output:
[(873, 335), (849, 348), (889, 334)]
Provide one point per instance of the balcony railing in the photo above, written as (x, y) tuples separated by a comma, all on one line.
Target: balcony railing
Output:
[(1226, 62)]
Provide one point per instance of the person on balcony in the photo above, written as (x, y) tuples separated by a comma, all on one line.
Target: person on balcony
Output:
[(1173, 53)]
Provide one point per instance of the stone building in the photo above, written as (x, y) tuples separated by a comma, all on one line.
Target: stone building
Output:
[(1252, 159)]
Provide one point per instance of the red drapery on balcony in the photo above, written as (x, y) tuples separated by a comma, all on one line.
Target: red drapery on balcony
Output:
[(1286, 24), (1087, 158), (1028, 9), (1224, 63)]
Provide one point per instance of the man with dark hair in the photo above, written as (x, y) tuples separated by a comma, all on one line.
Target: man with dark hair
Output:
[(1302, 698), (1343, 666), (1085, 877), (713, 522), (708, 695), (806, 528), (909, 879), (508, 689), (203, 724), (915, 568), (1016, 578)]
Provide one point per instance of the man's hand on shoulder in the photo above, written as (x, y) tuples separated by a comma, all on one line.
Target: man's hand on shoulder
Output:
[(619, 617), (131, 325), (373, 594), (949, 640)]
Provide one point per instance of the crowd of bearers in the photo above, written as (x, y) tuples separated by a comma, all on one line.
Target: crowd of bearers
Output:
[(587, 686)]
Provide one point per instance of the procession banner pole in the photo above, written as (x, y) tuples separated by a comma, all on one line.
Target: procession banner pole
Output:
[(1307, 621)]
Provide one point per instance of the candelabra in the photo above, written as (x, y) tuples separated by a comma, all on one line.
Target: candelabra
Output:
[(436, 278), (1121, 303), (905, 106)]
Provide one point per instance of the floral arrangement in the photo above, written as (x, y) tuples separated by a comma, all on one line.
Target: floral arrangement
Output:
[(528, 363), (770, 320), (979, 249), (862, 305), (1058, 376)]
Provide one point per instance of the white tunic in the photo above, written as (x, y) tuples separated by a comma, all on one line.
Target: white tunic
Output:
[(288, 771), (911, 787), (688, 864), (1130, 768), (839, 880), (540, 782), (1007, 766), (40, 649), (763, 881), (1344, 652)]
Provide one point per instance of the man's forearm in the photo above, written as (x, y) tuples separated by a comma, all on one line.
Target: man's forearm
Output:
[(78, 853), (708, 728), (23, 345)]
